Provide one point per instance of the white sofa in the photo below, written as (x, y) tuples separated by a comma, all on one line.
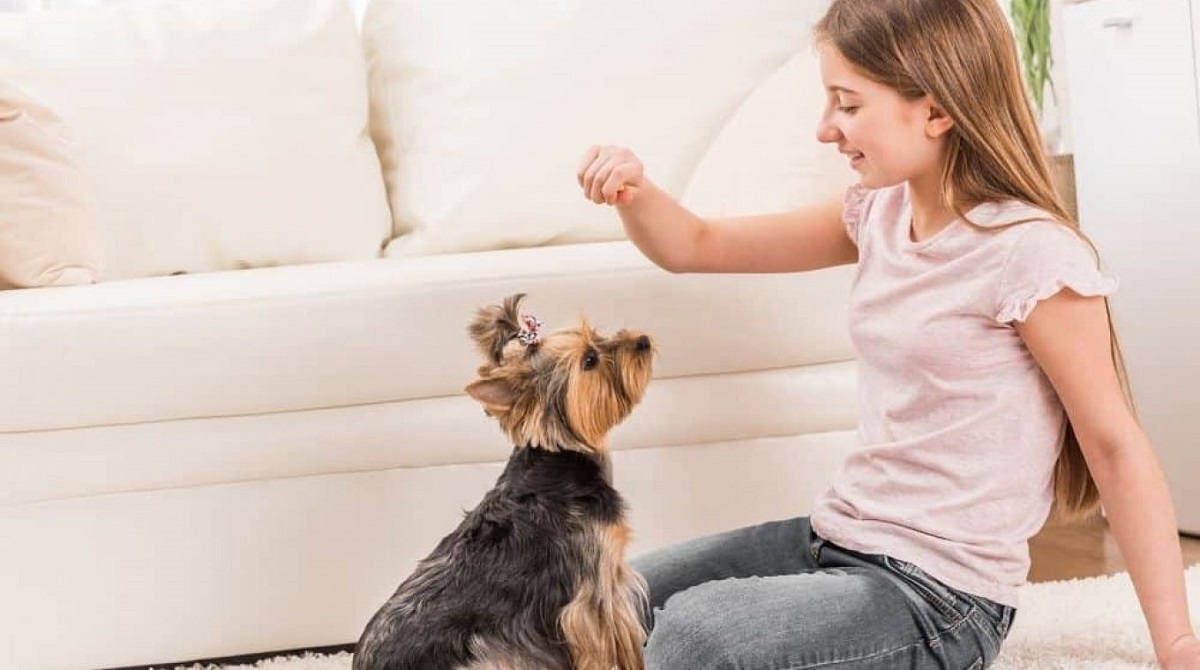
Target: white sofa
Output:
[(245, 435)]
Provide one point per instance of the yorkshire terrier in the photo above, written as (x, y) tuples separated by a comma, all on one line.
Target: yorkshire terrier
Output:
[(534, 578)]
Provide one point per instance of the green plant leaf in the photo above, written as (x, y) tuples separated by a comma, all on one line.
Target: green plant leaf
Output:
[(1031, 26)]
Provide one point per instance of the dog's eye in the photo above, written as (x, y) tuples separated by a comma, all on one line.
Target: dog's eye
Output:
[(590, 359)]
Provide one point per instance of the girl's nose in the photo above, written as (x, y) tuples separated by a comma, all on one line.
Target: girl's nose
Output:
[(827, 132)]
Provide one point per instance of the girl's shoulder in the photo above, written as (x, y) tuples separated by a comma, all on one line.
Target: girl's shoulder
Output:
[(861, 204), (1043, 256), (1024, 230)]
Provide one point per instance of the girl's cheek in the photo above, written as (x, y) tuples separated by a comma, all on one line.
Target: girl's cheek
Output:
[(850, 131)]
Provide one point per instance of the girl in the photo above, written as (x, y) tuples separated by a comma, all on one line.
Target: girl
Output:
[(990, 385)]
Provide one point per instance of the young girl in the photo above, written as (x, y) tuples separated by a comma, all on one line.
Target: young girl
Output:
[(990, 385)]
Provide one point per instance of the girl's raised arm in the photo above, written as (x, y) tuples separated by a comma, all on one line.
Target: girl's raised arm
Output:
[(678, 240)]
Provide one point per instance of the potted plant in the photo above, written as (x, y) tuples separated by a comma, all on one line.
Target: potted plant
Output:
[(1031, 26)]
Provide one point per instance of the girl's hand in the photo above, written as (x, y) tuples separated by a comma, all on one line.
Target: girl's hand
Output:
[(610, 175), (1184, 654)]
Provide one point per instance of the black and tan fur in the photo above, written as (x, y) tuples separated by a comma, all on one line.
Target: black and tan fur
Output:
[(534, 578)]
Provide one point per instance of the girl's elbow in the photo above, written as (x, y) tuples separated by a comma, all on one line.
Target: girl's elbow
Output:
[(1112, 449), (683, 259), (678, 266), (671, 265)]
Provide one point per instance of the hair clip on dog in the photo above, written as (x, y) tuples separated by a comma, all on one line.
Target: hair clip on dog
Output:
[(528, 335)]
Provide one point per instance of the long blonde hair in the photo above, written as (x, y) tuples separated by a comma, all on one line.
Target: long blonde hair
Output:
[(963, 55)]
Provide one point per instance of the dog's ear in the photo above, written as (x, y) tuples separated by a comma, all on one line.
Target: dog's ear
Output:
[(495, 394), (495, 325)]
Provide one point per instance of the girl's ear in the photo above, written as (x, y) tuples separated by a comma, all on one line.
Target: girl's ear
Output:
[(937, 122)]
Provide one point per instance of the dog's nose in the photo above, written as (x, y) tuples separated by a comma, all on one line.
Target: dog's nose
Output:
[(643, 343)]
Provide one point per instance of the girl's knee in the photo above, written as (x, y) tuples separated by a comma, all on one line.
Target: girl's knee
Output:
[(689, 632)]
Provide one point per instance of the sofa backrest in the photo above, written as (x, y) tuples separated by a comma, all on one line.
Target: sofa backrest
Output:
[(226, 134)]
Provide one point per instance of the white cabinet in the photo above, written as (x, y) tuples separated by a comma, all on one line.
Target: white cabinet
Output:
[(1131, 65), (1135, 117), (1196, 45)]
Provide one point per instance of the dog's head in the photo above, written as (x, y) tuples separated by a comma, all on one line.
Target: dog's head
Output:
[(556, 390)]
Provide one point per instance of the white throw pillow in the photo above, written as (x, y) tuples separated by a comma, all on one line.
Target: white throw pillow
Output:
[(482, 110), (219, 134), (767, 158)]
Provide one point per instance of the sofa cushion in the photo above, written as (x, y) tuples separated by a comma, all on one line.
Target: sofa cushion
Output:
[(767, 158), (481, 110), (47, 216), (360, 332), (220, 134), (431, 432)]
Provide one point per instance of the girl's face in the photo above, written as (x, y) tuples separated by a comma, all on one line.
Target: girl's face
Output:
[(887, 138)]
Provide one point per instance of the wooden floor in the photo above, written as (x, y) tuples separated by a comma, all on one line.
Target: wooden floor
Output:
[(1085, 550)]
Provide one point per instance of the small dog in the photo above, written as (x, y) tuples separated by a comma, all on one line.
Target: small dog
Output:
[(534, 578)]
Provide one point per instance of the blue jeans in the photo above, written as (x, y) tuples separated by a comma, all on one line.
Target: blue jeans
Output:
[(778, 597)]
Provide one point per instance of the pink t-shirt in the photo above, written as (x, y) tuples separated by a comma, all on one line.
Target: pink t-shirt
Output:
[(960, 429)]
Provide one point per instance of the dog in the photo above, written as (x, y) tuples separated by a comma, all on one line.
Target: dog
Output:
[(535, 577)]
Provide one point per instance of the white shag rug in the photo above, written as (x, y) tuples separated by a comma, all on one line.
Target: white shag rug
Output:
[(1084, 624)]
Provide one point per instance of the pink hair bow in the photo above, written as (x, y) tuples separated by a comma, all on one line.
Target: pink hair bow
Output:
[(530, 327)]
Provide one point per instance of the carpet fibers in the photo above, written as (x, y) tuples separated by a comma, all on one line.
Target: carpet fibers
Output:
[(1086, 624)]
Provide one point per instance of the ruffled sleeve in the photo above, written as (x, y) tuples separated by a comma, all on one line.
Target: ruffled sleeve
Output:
[(1047, 258), (854, 207)]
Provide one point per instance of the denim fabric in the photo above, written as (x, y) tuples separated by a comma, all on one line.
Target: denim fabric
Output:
[(778, 597)]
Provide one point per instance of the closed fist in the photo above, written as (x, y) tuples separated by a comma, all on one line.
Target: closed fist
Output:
[(610, 175)]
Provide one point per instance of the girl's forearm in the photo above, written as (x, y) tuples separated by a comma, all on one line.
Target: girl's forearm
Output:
[(665, 231), (1140, 512)]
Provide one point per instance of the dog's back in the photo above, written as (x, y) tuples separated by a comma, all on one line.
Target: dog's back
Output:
[(491, 595)]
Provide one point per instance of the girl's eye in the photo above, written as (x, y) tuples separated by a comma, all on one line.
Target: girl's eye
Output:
[(847, 109), (590, 359)]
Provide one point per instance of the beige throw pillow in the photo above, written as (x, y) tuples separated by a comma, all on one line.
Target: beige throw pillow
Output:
[(219, 134), (47, 219), (767, 157)]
